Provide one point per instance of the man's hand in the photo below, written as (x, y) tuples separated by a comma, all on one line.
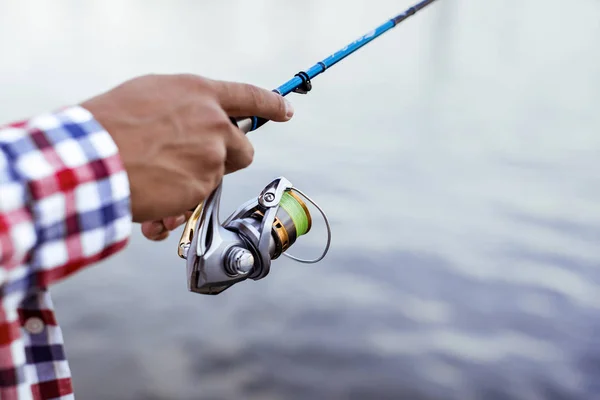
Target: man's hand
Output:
[(176, 140)]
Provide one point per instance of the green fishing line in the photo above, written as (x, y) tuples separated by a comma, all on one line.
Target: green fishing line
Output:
[(296, 212)]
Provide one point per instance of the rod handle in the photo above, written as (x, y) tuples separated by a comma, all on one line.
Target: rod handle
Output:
[(248, 124)]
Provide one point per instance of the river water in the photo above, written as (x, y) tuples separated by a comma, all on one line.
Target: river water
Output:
[(458, 158)]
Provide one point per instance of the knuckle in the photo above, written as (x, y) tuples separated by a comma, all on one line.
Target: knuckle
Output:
[(215, 155), (193, 79), (199, 192), (222, 124), (247, 156), (193, 83), (204, 185), (256, 95), (241, 153), (206, 116), (211, 116), (146, 77), (212, 180)]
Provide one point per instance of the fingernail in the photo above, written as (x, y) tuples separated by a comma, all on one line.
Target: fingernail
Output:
[(289, 109)]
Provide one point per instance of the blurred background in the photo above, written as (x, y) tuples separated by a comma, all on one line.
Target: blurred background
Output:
[(457, 156)]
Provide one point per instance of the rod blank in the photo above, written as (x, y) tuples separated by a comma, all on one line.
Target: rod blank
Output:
[(302, 81)]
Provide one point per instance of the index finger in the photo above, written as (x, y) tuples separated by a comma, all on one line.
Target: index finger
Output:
[(246, 100)]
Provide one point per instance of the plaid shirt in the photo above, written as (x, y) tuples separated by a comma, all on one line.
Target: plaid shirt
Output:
[(64, 204)]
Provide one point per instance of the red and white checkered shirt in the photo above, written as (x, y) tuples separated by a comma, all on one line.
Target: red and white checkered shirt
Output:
[(64, 204)]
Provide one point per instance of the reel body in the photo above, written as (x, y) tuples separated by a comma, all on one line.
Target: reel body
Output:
[(243, 246)]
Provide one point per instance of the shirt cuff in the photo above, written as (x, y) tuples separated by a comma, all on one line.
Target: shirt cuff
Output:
[(78, 190)]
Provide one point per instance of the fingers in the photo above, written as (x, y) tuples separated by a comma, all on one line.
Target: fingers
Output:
[(245, 100), (240, 152), (154, 230), (159, 230), (171, 223)]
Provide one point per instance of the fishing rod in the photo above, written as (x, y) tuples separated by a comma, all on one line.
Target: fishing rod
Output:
[(302, 82), (219, 255)]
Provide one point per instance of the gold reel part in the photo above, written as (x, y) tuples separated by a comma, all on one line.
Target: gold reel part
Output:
[(188, 230)]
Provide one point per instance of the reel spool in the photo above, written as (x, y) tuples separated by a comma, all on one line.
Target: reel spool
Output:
[(261, 230)]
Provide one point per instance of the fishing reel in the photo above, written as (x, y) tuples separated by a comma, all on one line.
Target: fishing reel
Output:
[(261, 230), (221, 255)]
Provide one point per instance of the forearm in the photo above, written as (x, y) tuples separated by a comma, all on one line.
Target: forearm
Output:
[(64, 198)]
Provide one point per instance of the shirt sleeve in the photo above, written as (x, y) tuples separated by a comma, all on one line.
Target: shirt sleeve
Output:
[(64, 199)]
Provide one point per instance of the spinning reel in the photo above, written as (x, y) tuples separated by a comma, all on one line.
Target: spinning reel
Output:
[(221, 255)]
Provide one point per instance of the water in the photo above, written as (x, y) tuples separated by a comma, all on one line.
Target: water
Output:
[(457, 158)]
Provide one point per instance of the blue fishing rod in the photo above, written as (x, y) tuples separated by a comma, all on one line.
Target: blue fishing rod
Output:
[(302, 81), (219, 255)]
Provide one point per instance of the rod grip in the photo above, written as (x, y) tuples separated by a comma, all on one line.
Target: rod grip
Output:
[(248, 124)]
